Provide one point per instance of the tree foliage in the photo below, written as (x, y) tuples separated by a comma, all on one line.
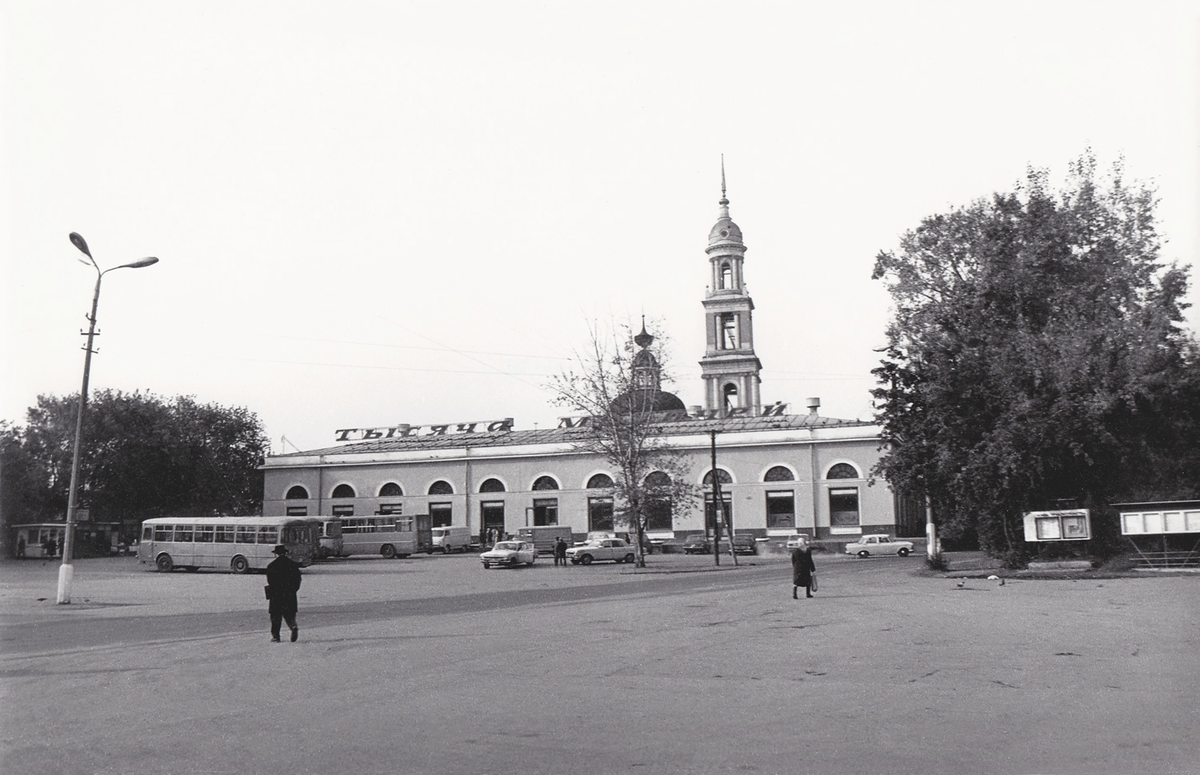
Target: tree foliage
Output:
[(141, 456), (621, 413), (1036, 353)]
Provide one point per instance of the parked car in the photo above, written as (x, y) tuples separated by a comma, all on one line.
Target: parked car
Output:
[(744, 544), (510, 554), (615, 549), (696, 544), (879, 543)]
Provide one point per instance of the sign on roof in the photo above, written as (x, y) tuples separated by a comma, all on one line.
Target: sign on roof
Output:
[(404, 430)]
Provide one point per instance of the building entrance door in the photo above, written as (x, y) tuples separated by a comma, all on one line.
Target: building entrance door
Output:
[(491, 517)]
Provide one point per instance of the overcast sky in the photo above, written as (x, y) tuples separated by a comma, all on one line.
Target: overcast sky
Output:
[(370, 213)]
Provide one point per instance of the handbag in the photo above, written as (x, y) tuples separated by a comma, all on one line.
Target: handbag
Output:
[(267, 591), (813, 584)]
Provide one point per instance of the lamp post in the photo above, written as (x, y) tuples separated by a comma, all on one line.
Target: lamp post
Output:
[(66, 572)]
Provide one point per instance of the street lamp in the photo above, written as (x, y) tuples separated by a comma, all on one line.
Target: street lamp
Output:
[(65, 572)]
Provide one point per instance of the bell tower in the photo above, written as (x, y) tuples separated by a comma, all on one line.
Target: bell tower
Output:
[(729, 366)]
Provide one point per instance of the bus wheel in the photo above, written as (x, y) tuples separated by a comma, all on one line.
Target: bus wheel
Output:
[(239, 564), (388, 551), (164, 563)]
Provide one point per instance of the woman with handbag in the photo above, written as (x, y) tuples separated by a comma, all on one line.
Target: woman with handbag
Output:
[(803, 570)]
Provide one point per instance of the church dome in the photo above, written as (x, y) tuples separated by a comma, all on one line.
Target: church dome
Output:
[(648, 400), (725, 230)]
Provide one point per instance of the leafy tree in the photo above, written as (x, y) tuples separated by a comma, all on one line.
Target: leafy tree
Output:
[(142, 456), (1035, 354), (616, 386)]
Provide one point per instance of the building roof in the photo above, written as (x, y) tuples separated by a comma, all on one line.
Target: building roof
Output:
[(672, 424)]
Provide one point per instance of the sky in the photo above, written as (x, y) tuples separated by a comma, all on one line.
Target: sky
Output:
[(373, 213)]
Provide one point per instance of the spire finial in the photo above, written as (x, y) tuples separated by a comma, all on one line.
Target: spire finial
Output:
[(722, 177)]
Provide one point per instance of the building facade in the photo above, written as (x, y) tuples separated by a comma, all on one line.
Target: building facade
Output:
[(779, 473)]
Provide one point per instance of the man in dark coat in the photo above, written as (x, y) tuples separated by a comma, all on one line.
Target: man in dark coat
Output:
[(283, 582), (560, 552), (802, 569)]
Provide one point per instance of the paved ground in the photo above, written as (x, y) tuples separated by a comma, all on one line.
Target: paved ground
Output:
[(433, 665)]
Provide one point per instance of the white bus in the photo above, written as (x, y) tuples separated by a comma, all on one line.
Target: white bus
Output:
[(390, 535), (237, 543)]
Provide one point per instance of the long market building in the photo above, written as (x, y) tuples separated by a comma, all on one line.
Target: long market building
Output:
[(779, 473)]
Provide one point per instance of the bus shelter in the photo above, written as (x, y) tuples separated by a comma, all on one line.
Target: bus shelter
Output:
[(1165, 534)]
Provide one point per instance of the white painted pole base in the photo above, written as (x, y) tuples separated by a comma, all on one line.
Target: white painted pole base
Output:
[(65, 574)]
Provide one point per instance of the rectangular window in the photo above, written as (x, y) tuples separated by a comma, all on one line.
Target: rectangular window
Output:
[(164, 532), (246, 534), (183, 534), (297, 511), (545, 511), (658, 515), (223, 534), (600, 514), (268, 535), (391, 508), (710, 524), (440, 514), (781, 510), (204, 534), (343, 511), (843, 507)]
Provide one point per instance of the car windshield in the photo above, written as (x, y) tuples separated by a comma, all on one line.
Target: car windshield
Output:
[(506, 546)]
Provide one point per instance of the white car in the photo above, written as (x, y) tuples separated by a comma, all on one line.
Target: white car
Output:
[(879, 543), (510, 554), (795, 541), (615, 549)]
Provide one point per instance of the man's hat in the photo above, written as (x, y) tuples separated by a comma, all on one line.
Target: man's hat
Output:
[(279, 550)]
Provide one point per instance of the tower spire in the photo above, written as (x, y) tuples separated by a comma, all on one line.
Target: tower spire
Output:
[(724, 200)]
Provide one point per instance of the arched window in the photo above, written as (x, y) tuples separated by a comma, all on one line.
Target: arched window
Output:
[(722, 476), (545, 483), (658, 480), (778, 474), (441, 487), (297, 493), (600, 482), (390, 490), (343, 491), (726, 276), (731, 396), (842, 471), (491, 485)]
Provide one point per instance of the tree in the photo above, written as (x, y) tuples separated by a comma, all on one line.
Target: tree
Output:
[(142, 456), (617, 387), (1036, 354)]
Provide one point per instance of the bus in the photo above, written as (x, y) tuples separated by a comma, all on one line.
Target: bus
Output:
[(331, 537), (237, 543), (389, 535), (326, 535)]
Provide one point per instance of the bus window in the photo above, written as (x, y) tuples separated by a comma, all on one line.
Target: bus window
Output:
[(183, 533), (204, 534), (268, 535), (224, 534), (148, 533), (245, 534), (164, 532)]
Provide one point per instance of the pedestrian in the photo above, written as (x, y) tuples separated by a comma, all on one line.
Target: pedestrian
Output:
[(20, 546), (60, 547), (283, 582), (802, 569), (48, 547), (560, 552)]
